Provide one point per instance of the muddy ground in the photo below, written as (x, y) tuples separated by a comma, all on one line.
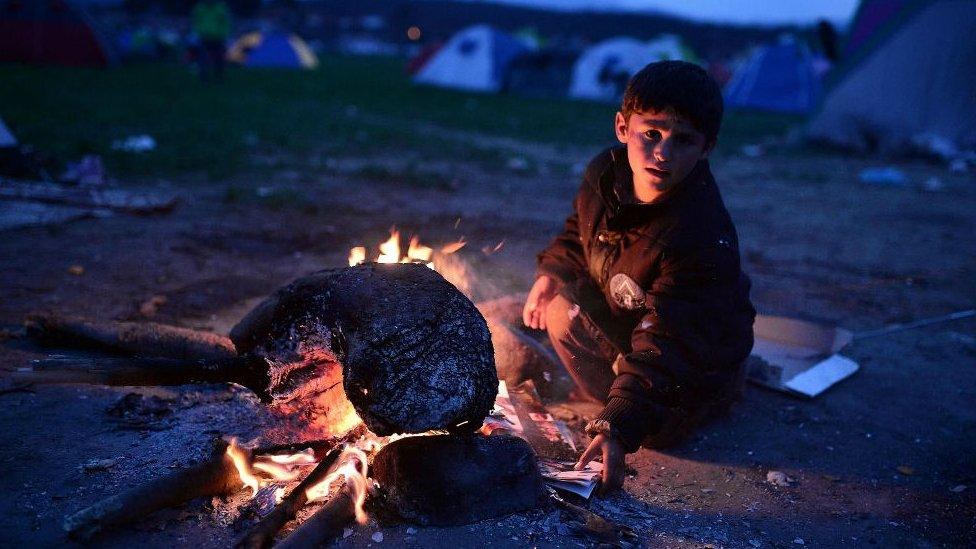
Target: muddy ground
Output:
[(886, 458)]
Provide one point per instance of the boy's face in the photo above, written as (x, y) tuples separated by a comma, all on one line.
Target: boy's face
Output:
[(662, 149)]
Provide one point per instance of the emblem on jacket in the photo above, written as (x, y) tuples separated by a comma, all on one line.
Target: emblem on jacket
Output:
[(626, 293)]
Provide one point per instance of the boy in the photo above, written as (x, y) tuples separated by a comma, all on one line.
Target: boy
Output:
[(642, 293)]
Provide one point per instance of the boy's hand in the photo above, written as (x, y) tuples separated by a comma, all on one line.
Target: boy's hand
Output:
[(542, 292), (614, 465)]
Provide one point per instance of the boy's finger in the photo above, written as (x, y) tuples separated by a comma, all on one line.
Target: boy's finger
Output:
[(530, 306), (587, 456)]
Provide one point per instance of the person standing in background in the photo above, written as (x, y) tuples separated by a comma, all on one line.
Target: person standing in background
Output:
[(211, 24)]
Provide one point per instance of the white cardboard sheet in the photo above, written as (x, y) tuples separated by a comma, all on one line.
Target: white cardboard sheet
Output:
[(799, 357)]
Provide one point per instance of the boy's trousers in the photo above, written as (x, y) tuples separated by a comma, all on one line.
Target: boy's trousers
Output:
[(588, 339)]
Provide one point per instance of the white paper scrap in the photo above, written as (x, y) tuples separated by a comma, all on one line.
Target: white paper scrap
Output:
[(825, 373)]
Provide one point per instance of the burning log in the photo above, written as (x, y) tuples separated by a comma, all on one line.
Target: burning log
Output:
[(217, 475), (262, 534), (325, 524), (415, 353), (458, 479), (342, 508)]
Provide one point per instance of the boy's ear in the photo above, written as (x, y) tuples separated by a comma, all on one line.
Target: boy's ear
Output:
[(620, 127), (707, 150)]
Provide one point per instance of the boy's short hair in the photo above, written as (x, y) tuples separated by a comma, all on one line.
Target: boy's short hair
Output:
[(679, 87)]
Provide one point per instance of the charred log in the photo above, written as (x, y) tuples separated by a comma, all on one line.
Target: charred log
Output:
[(415, 353), (320, 447), (451, 479), (214, 476)]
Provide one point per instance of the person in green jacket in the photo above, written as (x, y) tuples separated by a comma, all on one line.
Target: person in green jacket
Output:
[(211, 24)]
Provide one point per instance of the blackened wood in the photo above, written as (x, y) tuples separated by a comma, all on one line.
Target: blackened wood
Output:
[(321, 447), (147, 339), (213, 476), (415, 353), (134, 371)]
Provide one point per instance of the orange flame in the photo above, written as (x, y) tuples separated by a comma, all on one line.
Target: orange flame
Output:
[(454, 246), (357, 255), (390, 252), (351, 466), (417, 252), (243, 466)]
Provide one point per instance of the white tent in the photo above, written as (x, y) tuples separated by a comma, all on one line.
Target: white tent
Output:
[(910, 85), (7, 138), (474, 59), (602, 71)]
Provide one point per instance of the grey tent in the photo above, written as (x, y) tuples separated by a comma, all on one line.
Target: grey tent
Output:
[(910, 84)]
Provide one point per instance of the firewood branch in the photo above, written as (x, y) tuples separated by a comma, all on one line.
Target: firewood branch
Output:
[(326, 524), (213, 476)]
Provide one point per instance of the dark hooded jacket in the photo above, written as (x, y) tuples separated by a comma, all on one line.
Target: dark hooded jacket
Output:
[(671, 276)]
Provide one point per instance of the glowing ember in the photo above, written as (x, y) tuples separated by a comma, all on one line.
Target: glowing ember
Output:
[(242, 463), (390, 251), (352, 467)]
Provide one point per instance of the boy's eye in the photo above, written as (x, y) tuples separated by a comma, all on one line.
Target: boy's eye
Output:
[(653, 135)]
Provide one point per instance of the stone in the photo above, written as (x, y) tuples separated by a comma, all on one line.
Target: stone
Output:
[(446, 480)]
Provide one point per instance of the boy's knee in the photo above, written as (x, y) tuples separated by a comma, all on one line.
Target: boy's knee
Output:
[(560, 317)]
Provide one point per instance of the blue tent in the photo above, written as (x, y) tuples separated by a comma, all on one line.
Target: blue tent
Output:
[(272, 49), (777, 77)]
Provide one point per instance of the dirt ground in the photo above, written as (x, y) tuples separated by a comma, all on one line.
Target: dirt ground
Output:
[(885, 459)]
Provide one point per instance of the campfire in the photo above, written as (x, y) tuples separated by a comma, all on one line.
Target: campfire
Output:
[(386, 361), (390, 251)]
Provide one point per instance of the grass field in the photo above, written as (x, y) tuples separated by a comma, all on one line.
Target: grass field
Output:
[(348, 104)]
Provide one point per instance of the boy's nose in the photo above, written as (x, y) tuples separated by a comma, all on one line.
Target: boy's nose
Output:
[(662, 151)]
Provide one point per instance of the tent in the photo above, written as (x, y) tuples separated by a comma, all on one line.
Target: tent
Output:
[(778, 77), (272, 49), (908, 84), (7, 138), (476, 59), (50, 32), (543, 73), (602, 71)]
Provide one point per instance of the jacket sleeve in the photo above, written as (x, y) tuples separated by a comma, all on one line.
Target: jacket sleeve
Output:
[(671, 345), (563, 259)]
